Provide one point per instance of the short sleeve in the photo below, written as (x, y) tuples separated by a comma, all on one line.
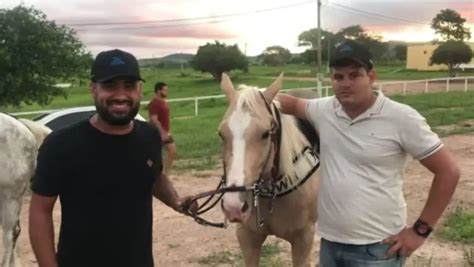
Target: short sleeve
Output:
[(48, 173), (417, 138), (154, 108), (156, 144)]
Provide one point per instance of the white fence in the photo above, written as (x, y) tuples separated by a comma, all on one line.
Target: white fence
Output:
[(388, 88)]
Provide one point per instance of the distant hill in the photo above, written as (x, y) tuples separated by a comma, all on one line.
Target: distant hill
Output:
[(172, 60), (181, 57)]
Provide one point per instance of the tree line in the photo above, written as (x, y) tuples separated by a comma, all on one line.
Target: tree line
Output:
[(448, 25)]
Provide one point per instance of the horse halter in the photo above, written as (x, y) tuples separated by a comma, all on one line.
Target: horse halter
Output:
[(256, 188)]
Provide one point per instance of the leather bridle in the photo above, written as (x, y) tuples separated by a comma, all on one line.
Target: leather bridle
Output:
[(214, 196)]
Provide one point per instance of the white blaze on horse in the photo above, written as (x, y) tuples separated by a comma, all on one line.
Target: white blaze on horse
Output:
[(19, 143), (267, 151)]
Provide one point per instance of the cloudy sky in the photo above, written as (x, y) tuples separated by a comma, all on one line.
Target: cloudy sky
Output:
[(157, 28)]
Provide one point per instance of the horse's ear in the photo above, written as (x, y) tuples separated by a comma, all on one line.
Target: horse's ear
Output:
[(273, 89), (227, 87)]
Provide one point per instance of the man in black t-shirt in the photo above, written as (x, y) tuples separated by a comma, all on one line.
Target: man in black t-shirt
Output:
[(105, 171)]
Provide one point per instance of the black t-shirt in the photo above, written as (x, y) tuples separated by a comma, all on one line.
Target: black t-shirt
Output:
[(105, 184)]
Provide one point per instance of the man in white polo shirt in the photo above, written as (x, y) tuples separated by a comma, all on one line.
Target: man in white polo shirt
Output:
[(366, 139)]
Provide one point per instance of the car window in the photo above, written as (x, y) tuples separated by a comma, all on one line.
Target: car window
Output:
[(69, 119)]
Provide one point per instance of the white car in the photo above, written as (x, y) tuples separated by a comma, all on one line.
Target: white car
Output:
[(62, 118)]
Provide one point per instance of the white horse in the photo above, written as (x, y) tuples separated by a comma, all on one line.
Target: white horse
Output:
[(19, 143)]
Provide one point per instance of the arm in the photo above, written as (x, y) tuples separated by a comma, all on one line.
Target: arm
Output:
[(154, 120), (163, 190), (446, 176), (292, 105), (41, 230)]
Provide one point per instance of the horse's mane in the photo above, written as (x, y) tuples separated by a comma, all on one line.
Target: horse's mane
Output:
[(38, 130), (293, 140)]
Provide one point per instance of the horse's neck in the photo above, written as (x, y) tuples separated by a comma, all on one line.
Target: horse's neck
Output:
[(293, 143)]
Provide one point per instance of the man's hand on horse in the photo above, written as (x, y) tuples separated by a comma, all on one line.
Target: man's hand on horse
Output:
[(187, 206), (405, 243)]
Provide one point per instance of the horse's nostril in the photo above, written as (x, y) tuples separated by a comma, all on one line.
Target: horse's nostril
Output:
[(245, 207)]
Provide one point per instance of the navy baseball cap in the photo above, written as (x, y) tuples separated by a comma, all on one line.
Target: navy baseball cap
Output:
[(115, 63), (351, 50)]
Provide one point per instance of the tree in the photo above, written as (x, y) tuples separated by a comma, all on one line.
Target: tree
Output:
[(35, 55), (354, 32), (373, 42), (275, 56), (329, 40), (310, 56), (218, 58), (450, 25), (451, 53), (401, 51), (310, 38)]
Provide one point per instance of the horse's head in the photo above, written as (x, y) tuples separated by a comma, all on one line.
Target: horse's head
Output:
[(246, 131)]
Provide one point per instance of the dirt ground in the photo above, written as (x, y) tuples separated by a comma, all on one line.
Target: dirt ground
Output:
[(179, 241)]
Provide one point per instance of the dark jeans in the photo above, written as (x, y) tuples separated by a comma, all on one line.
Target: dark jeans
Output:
[(333, 254)]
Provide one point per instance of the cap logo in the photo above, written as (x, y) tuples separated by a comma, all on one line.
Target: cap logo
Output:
[(149, 162), (116, 61), (345, 48)]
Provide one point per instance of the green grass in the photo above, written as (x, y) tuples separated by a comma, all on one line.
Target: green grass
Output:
[(190, 83), (384, 72), (196, 137), (400, 73), (219, 258), (459, 226), (268, 258), (444, 109)]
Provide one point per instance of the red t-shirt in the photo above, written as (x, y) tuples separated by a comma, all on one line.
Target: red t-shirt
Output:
[(160, 107)]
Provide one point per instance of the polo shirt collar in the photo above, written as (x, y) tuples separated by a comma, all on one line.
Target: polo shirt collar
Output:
[(376, 108)]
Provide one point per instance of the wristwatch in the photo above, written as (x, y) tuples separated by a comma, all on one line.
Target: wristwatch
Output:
[(422, 228)]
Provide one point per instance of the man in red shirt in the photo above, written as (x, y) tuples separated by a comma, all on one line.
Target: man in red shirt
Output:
[(159, 115)]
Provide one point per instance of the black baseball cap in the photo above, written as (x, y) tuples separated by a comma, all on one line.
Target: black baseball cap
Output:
[(114, 63), (351, 50)]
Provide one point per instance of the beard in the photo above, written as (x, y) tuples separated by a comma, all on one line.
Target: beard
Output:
[(117, 119)]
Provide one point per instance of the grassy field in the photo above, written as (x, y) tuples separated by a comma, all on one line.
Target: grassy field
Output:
[(196, 136), (384, 72), (189, 83)]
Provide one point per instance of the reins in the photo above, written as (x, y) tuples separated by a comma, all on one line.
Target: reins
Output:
[(256, 188)]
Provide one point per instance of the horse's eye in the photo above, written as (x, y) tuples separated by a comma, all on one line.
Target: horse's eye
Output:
[(266, 135)]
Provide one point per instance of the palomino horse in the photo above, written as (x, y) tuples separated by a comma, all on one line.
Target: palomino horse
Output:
[(266, 151), (19, 142)]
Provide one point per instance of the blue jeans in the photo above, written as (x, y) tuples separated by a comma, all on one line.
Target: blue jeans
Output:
[(333, 254)]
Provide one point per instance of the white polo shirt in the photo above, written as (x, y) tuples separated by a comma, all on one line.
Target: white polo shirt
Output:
[(362, 164)]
